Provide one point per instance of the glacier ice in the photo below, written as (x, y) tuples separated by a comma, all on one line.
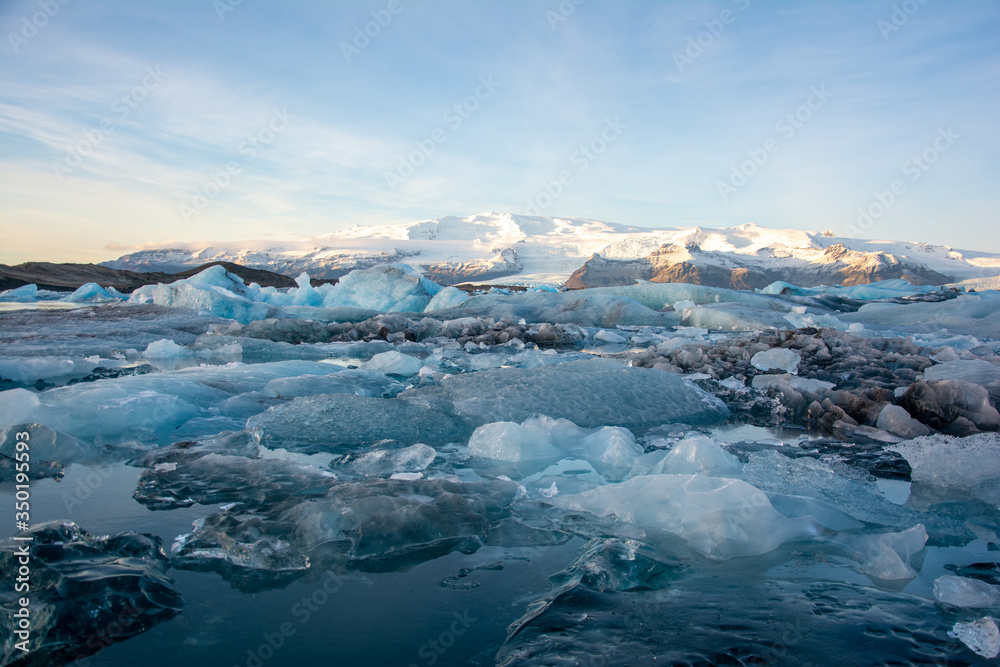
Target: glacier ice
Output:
[(718, 517), (351, 381), (339, 422), (84, 587), (968, 463), (93, 292), (967, 593), (982, 636), (387, 462), (589, 393), (895, 419), (393, 363), (610, 337), (448, 297), (696, 456), (540, 441), (214, 291), (886, 556), (390, 288), (777, 358)]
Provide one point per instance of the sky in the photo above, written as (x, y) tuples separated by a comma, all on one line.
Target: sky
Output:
[(126, 125)]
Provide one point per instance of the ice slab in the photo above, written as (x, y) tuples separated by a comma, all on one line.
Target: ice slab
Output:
[(387, 462), (720, 518), (967, 464), (589, 393), (966, 593), (84, 587), (338, 422), (969, 314)]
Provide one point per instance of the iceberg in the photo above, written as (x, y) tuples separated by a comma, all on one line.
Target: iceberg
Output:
[(966, 593)]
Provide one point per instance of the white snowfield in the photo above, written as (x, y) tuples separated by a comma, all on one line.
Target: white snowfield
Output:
[(535, 250)]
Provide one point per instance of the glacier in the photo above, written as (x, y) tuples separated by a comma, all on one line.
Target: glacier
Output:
[(811, 460)]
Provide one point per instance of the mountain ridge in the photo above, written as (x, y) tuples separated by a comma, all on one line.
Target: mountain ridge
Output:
[(510, 248)]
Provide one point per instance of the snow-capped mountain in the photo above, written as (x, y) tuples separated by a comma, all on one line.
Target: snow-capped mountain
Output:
[(507, 248)]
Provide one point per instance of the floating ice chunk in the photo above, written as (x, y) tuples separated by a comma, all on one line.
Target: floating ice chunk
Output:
[(969, 314), (611, 451), (82, 584), (166, 349), (93, 292), (887, 556), (977, 371), (720, 518), (966, 593), (734, 383), (17, 406), (610, 337), (353, 381), (50, 451), (982, 636), (777, 358), (517, 443), (781, 380), (683, 305), (331, 422), (896, 420), (966, 463), (23, 294), (28, 371), (393, 363), (390, 288), (851, 490), (214, 291), (699, 456), (945, 355), (590, 393), (448, 297), (817, 321), (386, 462)]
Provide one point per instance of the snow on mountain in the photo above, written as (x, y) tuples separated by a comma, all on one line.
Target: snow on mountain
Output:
[(508, 248)]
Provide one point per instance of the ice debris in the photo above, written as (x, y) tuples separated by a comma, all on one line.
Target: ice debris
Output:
[(777, 358), (982, 636)]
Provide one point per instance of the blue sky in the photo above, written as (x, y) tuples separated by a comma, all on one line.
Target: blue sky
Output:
[(125, 124)]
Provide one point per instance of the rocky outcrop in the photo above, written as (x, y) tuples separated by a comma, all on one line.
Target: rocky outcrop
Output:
[(836, 265), (68, 277)]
